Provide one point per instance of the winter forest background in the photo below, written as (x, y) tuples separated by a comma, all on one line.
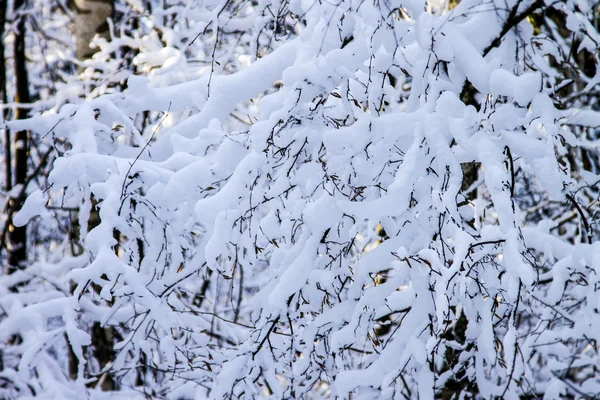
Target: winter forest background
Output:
[(300, 199)]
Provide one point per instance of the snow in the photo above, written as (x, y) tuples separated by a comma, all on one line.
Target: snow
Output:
[(299, 199)]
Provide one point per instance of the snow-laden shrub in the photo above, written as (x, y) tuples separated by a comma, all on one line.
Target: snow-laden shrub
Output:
[(355, 199)]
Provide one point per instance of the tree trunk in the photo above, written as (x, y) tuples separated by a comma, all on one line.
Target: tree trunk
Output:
[(17, 236), (4, 100), (90, 19)]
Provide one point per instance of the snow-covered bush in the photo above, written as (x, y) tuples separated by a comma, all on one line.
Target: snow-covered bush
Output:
[(351, 199)]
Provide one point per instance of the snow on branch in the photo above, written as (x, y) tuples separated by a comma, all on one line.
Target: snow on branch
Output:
[(349, 199)]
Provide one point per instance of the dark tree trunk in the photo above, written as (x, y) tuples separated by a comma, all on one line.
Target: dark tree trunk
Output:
[(17, 236), (103, 341), (4, 100)]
